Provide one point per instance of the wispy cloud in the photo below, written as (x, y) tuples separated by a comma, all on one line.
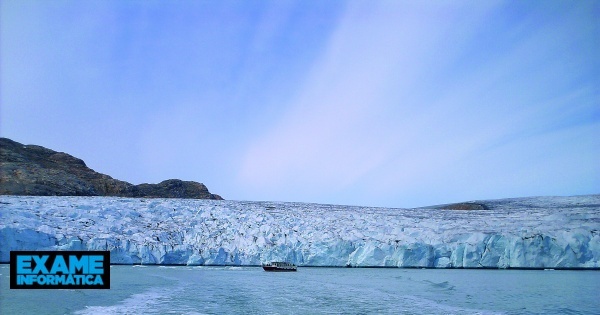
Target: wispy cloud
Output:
[(395, 103), (405, 94), (357, 108)]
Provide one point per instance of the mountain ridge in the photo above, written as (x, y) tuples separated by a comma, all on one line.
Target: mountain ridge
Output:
[(33, 170)]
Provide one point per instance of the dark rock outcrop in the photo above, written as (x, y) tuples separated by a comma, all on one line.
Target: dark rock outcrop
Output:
[(38, 171), (469, 205), (173, 188), (465, 206)]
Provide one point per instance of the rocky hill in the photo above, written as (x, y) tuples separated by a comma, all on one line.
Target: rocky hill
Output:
[(37, 171)]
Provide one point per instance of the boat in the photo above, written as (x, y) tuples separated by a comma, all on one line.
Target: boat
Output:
[(279, 266)]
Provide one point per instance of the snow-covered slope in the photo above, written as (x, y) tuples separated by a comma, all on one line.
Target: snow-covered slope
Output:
[(544, 232)]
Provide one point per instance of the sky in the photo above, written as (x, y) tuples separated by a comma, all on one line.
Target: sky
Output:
[(373, 103)]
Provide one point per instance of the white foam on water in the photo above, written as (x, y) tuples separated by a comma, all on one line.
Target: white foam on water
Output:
[(148, 302), (239, 268)]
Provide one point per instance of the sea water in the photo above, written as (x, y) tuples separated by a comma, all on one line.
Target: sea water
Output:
[(250, 290)]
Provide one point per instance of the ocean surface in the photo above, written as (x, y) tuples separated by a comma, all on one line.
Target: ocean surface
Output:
[(250, 290)]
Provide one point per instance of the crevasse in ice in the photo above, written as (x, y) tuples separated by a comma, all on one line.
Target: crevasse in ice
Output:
[(540, 232)]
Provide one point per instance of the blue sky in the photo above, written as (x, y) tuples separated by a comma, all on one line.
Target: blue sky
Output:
[(379, 103)]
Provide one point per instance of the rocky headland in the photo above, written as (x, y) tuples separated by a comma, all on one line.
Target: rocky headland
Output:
[(32, 170)]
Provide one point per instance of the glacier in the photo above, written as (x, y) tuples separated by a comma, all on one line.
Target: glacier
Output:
[(535, 232)]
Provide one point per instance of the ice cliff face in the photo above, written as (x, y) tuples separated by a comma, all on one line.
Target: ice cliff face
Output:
[(545, 232)]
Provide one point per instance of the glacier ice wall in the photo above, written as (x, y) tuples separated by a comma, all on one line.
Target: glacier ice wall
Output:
[(543, 232)]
